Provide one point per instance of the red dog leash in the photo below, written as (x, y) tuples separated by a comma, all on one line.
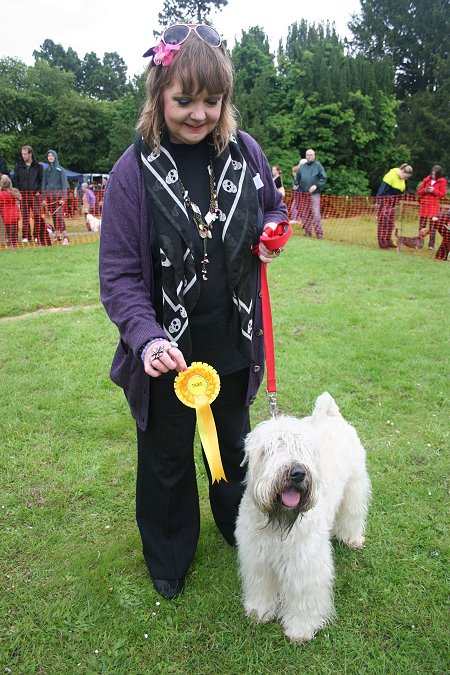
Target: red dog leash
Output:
[(273, 240)]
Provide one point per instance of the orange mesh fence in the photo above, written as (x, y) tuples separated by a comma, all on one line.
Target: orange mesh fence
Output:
[(59, 219), (361, 220)]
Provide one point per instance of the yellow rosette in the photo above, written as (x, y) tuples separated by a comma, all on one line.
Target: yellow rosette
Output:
[(197, 388)]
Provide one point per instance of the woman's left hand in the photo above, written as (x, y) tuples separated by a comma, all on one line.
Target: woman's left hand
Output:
[(266, 255), (163, 356)]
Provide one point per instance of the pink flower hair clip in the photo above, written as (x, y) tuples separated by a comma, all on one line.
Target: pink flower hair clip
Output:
[(162, 54)]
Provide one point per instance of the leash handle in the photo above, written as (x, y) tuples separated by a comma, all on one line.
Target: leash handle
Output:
[(273, 239)]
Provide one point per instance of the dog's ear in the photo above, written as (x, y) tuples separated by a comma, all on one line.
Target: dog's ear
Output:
[(325, 405)]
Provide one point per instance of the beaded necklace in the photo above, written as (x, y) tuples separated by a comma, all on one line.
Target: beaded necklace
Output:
[(204, 225)]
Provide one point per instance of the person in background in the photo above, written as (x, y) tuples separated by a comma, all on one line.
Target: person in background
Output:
[(311, 179), (277, 179), (54, 189), (442, 224), (184, 207), (432, 189), (9, 210), (296, 206), (391, 188), (28, 174), (294, 210), (4, 170), (88, 200)]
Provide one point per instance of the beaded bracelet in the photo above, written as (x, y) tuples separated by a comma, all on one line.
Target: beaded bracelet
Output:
[(148, 344)]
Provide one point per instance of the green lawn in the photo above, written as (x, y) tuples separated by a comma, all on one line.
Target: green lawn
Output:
[(369, 326)]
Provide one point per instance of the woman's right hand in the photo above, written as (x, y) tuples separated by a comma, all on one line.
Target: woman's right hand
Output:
[(161, 357)]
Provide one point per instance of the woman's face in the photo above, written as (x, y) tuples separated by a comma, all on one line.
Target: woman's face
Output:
[(190, 118)]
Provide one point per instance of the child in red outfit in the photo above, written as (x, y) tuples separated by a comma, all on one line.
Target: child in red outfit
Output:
[(9, 209), (431, 191)]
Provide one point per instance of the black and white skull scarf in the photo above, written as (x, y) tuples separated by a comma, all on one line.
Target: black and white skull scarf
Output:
[(238, 212)]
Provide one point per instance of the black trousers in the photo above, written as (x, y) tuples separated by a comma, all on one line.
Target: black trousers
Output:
[(31, 202), (167, 505)]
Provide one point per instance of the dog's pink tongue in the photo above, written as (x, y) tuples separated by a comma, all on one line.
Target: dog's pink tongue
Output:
[(290, 498)]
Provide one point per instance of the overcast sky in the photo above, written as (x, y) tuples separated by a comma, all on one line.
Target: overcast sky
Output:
[(126, 26)]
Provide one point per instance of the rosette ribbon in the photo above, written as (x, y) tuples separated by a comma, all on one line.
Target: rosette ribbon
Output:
[(197, 388)]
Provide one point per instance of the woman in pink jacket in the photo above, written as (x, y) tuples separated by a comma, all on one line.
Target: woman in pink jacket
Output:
[(432, 189)]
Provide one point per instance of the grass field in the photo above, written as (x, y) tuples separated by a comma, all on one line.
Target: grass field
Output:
[(369, 326)]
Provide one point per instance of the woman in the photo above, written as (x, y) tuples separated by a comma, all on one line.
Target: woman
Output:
[(183, 208), (276, 174), (87, 200), (432, 189), (392, 186), (54, 191)]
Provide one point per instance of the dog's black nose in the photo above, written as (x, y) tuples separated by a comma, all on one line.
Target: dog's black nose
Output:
[(298, 473)]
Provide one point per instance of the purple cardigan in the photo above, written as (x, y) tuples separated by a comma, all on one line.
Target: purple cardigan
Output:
[(126, 278)]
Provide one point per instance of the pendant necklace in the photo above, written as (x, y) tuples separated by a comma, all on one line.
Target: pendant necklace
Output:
[(204, 225)]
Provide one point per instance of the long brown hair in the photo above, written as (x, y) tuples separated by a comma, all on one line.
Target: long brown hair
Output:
[(6, 186), (438, 172), (196, 67)]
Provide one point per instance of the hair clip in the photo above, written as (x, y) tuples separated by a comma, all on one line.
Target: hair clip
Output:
[(162, 54)]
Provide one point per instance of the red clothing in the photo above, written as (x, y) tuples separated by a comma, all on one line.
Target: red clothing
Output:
[(443, 227), (429, 201), (8, 208)]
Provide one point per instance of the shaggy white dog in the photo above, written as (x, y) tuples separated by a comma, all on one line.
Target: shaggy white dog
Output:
[(92, 223), (306, 482)]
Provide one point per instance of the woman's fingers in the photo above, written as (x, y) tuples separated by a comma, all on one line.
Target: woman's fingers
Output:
[(161, 357)]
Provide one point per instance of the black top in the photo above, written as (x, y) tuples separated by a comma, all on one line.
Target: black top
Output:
[(210, 319)]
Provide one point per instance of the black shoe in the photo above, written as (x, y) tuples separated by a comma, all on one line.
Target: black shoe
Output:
[(169, 588)]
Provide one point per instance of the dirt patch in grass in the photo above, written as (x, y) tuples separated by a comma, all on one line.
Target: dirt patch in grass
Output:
[(48, 310)]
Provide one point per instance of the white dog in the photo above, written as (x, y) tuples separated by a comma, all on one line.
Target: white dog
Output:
[(306, 482), (93, 224)]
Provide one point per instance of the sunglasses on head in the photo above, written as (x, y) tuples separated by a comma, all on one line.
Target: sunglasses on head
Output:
[(179, 32)]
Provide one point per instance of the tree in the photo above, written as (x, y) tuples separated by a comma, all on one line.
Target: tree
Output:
[(340, 105), (80, 133), (186, 11), (28, 109), (424, 124), (256, 90), (412, 32), (121, 132), (105, 81), (56, 56)]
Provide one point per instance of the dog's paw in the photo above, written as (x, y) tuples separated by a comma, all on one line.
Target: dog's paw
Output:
[(299, 636), (260, 615), (355, 543)]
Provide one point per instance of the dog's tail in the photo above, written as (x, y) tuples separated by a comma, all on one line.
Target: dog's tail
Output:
[(325, 405)]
